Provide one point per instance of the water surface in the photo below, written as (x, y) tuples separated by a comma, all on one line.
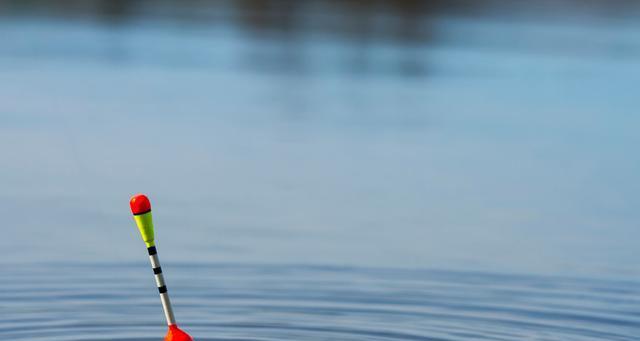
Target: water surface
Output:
[(384, 170), (244, 302)]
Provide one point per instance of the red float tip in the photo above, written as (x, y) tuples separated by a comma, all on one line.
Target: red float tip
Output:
[(140, 204), (176, 334)]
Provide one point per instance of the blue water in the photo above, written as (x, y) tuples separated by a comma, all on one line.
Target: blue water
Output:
[(115, 301), (321, 171)]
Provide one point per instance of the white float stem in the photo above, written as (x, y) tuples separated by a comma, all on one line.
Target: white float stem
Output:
[(162, 287)]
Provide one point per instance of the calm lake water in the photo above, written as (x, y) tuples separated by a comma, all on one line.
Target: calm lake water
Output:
[(325, 170), (242, 302)]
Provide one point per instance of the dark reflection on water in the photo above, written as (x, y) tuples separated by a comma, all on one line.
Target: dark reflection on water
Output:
[(282, 34), (245, 302)]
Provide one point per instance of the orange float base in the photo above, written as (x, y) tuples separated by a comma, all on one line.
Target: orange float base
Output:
[(176, 334)]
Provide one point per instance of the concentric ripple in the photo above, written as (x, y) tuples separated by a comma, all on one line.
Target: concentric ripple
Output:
[(72, 302)]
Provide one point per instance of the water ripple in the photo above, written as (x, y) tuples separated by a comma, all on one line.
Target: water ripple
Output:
[(80, 302)]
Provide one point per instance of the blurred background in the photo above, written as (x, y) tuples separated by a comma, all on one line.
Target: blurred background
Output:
[(321, 170), (472, 135)]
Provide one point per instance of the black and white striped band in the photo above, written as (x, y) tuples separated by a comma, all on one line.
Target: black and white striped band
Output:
[(162, 288)]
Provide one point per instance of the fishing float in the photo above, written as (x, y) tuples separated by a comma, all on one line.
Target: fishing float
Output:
[(141, 209)]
